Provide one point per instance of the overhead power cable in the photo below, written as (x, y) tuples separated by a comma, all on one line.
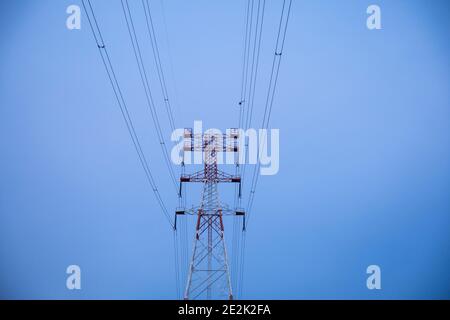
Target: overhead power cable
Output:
[(255, 61), (157, 58), (253, 66), (98, 37), (235, 263), (279, 48), (145, 82)]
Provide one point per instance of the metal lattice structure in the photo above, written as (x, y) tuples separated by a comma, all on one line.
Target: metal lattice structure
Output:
[(209, 273)]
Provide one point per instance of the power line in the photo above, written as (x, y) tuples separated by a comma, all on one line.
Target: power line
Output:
[(143, 74), (271, 93), (279, 47), (180, 243), (169, 54), (255, 61), (248, 89), (245, 63), (177, 266), (144, 78), (236, 243), (155, 49), (242, 263), (98, 37), (253, 70)]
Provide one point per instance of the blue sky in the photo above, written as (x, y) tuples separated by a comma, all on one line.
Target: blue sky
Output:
[(364, 158)]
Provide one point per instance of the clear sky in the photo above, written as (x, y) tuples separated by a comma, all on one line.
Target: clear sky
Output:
[(364, 119)]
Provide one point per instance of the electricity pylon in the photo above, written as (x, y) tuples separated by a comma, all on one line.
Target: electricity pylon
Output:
[(209, 273)]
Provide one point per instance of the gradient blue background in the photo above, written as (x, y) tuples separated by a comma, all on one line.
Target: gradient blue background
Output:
[(365, 148)]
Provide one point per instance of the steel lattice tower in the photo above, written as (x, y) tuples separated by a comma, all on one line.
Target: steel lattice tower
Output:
[(209, 273)]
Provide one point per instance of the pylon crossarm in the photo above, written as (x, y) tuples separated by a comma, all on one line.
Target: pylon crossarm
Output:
[(202, 177), (224, 211)]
